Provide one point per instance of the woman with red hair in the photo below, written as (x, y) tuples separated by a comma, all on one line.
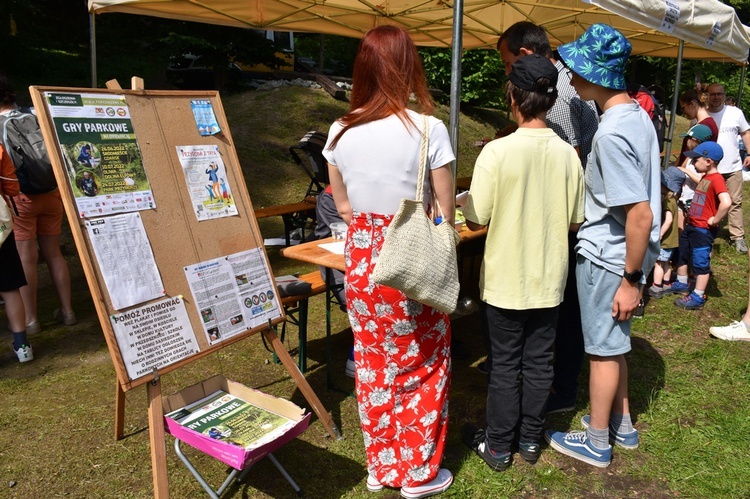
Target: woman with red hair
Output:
[(402, 347)]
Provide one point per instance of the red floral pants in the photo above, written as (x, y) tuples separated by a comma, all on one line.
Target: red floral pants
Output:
[(402, 357)]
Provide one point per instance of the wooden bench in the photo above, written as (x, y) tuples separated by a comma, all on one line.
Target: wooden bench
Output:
[(294, 215), (296, 307)]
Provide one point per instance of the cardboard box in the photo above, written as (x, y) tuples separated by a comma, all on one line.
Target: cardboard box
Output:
[(233, 455)]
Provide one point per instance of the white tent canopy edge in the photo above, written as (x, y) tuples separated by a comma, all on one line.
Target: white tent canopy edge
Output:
[(697, 29)]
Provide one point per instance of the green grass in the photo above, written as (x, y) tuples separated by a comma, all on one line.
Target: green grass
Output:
[(690, 394)]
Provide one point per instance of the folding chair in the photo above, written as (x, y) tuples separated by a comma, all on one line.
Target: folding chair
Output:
[(312, 160)]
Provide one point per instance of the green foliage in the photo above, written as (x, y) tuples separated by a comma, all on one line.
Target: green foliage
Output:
[(337, 52), (482, 75)]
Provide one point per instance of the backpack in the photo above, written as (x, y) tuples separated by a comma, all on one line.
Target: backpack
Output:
[(22, 139), (659, 119)]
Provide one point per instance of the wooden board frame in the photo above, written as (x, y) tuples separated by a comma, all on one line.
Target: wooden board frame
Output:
[(163, 120)]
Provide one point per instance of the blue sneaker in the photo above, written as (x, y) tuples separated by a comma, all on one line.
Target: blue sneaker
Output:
[(624, 440), (677, 288), (576, 445), (691, 302)]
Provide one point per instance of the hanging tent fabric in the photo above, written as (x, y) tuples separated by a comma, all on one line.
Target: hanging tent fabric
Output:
[(695, 29), (711, 29)]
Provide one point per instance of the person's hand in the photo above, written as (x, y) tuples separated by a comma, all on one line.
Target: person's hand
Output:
[(626, 301), (746, 162), (712, 222)]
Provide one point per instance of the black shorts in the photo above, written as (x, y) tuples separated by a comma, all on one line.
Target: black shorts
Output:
[(12, 276)]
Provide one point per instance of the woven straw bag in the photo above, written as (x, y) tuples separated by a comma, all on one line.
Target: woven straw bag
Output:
[(6, 220), (418, 257)]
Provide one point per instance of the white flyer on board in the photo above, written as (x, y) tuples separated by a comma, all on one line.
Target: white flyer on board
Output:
[(125, 259)]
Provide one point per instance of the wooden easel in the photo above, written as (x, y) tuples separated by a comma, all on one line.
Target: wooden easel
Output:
[(163, 120)]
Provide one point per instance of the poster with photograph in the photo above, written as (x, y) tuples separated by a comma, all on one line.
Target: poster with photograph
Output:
[(233, 294), (205, 119), (207, 183), (102, 158)]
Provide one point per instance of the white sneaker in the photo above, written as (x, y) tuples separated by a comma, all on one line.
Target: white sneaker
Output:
[(736, 331), (439, 484), (25, 353), (373, 485), (351, 369)]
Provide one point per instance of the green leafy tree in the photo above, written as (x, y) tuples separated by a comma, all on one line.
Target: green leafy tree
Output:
[(482, 75)]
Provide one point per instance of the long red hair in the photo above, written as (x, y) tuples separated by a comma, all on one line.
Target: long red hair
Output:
[(387, 71)]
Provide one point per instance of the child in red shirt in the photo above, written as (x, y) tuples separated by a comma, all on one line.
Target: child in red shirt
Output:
[(710, 204)]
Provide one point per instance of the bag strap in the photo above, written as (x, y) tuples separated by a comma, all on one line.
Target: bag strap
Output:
[(423, 157)]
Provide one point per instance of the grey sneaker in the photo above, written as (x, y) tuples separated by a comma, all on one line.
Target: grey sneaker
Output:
[(740, 246), (656, 291), (67, 319)]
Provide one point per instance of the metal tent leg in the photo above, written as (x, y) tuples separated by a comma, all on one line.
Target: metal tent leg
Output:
[(238, 475)]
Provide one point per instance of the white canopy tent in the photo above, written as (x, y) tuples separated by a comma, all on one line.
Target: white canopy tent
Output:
[(711, 29), (695, 29)]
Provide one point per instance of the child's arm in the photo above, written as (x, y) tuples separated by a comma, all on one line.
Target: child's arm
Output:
[(724, 203), (666, 224), (692, 175)]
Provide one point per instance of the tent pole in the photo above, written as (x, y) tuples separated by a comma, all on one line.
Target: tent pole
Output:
[(675, 101), (92, 42), (742, 84), (455, 98)]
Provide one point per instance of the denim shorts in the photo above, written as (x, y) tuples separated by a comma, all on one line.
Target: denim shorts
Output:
[(665, 255), (603, 335)]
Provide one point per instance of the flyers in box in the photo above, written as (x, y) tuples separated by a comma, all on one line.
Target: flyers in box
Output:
[(234, 455)]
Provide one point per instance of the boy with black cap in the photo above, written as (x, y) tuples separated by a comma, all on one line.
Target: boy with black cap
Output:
[(711, 203), (528, 187), (619, 238)]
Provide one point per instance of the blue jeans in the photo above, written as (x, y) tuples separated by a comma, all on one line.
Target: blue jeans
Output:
[(520, 372)]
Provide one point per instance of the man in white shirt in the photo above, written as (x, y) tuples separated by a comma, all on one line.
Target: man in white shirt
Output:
[(732, 124)]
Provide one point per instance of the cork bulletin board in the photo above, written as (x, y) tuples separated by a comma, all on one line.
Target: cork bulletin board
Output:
[(201, 257)]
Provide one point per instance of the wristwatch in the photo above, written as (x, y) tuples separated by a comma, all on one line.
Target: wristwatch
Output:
[(634, 276)]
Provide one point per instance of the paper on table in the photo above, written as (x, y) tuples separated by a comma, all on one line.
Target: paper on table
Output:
[(461, 198), (336, 248)]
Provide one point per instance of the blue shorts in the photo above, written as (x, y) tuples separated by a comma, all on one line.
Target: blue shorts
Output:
[(665, 255), (603, 335), (695, 248)]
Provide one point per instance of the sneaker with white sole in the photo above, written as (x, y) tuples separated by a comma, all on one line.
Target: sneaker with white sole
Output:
[(67, 319), (476, 439), (736, 331), (373, 485), (529, 451), (624, 440), (740, 245), (438, 485), (576, 445), (25, 353)]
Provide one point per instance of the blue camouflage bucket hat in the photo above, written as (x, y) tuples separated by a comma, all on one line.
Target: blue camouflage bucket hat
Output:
[(598, 56)]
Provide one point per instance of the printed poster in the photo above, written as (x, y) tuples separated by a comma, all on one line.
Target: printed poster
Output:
[(125, 259), (233, 293), (102, 158), (205, 119), (154, 336), (206, 179)]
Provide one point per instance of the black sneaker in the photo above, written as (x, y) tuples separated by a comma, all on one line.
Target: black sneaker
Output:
[(556, 404), (482, 367), (529, 451), (638, 312), (476, 439)]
